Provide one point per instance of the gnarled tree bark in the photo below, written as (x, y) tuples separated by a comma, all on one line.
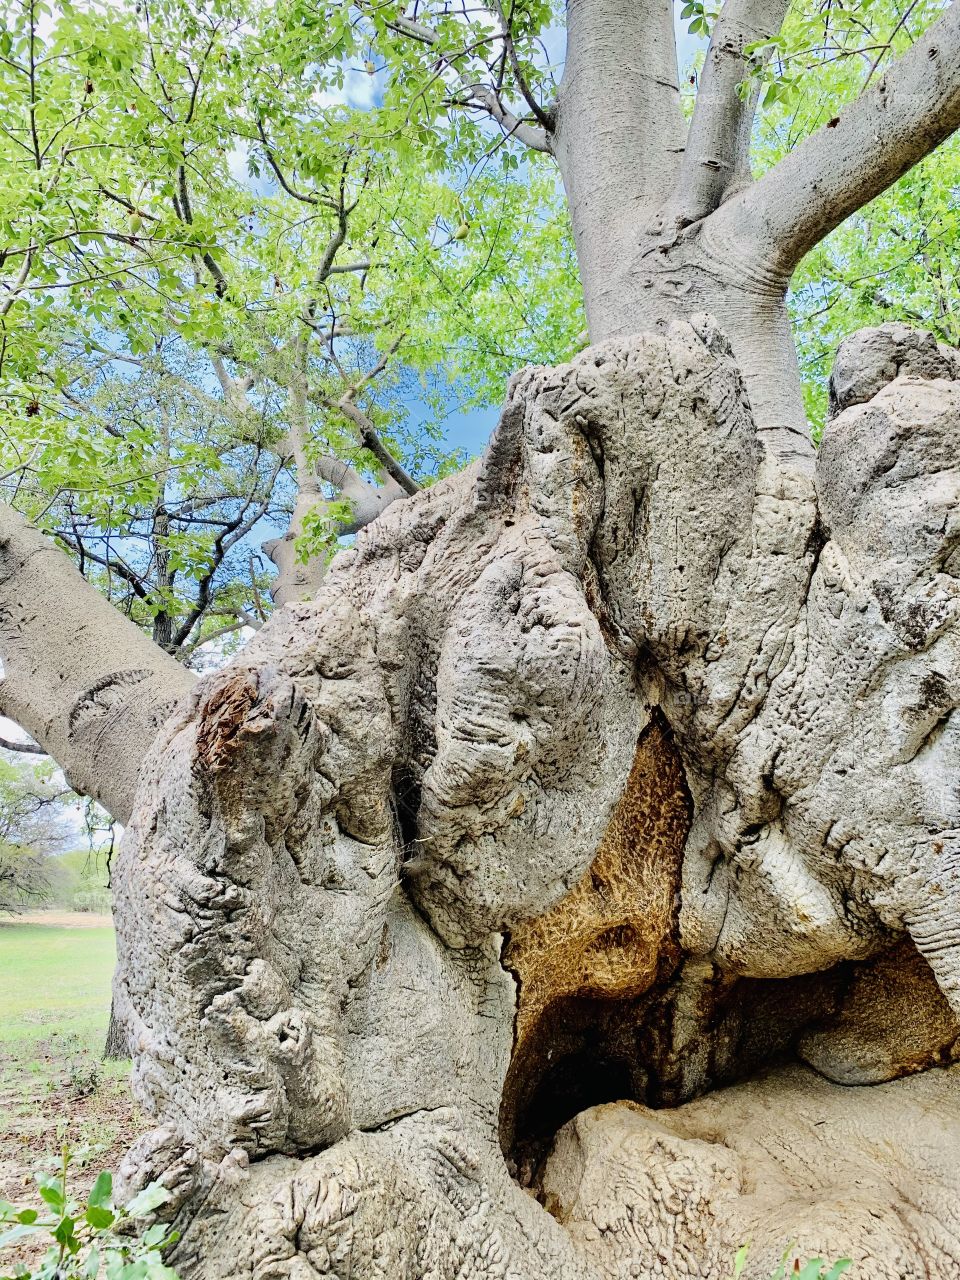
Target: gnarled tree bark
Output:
[(623, 765), (629, 753)]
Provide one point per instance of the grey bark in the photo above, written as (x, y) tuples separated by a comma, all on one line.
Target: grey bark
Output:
[(78, 676), (453, 741), (716, 157), (299, 580), (665, 220), (627, 757)]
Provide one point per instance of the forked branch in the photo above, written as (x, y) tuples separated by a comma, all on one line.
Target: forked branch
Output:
[(905, 113)]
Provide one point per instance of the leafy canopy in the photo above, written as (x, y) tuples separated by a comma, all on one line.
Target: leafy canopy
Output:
[(220, 224)]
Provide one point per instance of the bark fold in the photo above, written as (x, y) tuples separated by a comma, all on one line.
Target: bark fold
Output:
[(648, 695)]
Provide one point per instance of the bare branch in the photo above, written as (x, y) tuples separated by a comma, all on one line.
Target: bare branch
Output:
[(217, 634), (544, 116), (483, 97), (30, 748), (372, 442), (375, 370), (185, 213), (112, 563), (366, 430), (229, 536)]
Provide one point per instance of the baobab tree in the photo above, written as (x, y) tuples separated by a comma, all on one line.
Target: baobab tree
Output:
[(595, 779)]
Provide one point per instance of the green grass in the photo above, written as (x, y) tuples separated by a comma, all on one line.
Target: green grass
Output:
[(54, 981), (55, 1090)]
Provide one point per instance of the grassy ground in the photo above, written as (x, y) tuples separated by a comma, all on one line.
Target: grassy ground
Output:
[(55, 972)]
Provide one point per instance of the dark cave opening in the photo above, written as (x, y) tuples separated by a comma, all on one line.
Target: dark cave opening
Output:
[(860, 1022)]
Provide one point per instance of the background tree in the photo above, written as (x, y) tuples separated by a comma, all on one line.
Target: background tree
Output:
[(32, 827), (244, 325)]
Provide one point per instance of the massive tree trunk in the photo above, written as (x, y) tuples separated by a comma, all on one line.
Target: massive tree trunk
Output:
[(622, 765)]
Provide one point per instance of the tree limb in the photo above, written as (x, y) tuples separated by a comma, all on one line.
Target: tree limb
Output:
[(486, 99), (82, 680), (185, 213), (30, 748), (872, 142), (111, 563), (718, 141), (544, 116), (305, 197), (229, 536), (366, 429), (371, 441)]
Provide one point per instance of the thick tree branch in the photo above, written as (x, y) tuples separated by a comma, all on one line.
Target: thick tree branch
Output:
[(80, 678), (335, 270), (872, 142), (716, 157), (619, 140)]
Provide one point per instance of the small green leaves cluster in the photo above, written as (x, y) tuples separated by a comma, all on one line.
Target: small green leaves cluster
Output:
[(814, 1269), (319, 536), (90, 1238), (829, 51), (699, 17)]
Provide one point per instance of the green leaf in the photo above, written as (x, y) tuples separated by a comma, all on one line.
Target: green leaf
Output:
[(145, 1201), (65, 1234), (154, 1236), (101, 1191), (740, 1261), (99, 1218), (51, 1191), (838, 1268)]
